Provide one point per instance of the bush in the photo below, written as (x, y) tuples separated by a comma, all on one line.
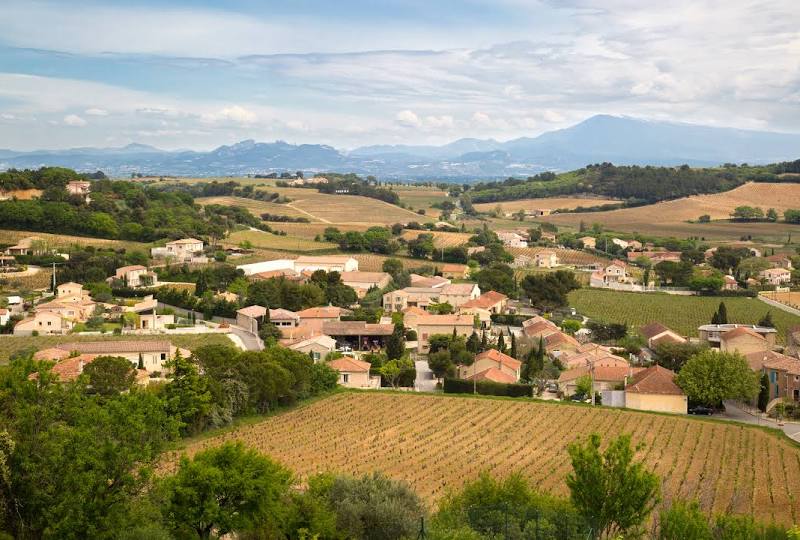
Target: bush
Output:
[(486, 388), (509, 319)]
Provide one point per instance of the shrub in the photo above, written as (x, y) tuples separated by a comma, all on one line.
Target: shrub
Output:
[(486, 388)]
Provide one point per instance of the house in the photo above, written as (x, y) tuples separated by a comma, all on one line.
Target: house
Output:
[(315, 317), (358, 335), (591, 354), (15, 304), (149, 318), (184, 250), (318, 347), (712, 334), (546, 259), (521, 261), (43, 323), (26, 246), (353, 373), (227, 296), (616, 272), (619, 242), (558, 343), (494, 366), (589, 242), (251, 317), (362, 282), (285, 273), (70, 289), (783, 374), (779, 261), (743, 340), (80, 188), (729, 283), (775, 276), (512, 239), (604, 378), (432, 282), (328, 263), (150, 355), (656, 333), (454, 294), (135, 276), (463, 325), (634, 244), (267, 266), (475, 249), (455, 271), (71, 308), (5, 316), (654, 389), (487, 304), (283, 318)]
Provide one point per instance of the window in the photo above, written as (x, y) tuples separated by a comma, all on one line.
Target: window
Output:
[(315, 355), (163, 356), (345, 378)]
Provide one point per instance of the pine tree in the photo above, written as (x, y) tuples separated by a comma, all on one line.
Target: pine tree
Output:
[(513, 352), (474, 343), (501, 343), (722, 313), (766, 320)]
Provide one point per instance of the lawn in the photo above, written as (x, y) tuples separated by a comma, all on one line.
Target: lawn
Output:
[(681, 313), (436, 443), (11, 344)]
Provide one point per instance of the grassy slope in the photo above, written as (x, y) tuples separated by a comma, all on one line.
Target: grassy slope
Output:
[(436, 443), (681, 313), (11, 344)]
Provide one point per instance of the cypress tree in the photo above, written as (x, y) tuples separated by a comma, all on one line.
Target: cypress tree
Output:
[(763, 395), (501, 343), (513, 352), (484, 342), (474, 343), (396, 344), (722, 313)]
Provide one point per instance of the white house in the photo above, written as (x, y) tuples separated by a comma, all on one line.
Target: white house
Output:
[(328, 263), (183, 250), (776, 276), (136, 276), (512, 240), (546, 259)]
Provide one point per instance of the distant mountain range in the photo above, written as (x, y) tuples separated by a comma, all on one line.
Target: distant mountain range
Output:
[(620, 140)]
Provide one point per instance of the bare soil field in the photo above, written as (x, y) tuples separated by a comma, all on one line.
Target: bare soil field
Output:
[(436, 443), (312, 230), (267, 240), (441, 239), (672, 216), (550, 203), (64, 240), (21, 194), (421, 197)]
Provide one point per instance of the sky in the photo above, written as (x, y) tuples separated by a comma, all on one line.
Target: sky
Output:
[(200, 73)]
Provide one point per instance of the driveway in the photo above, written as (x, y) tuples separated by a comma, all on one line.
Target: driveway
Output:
[(250, 341), (425, 381), (735, 411)]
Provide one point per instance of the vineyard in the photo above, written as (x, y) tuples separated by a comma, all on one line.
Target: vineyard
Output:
[(312, 230), (8, 237), (12, 344), (370, 262), (681, 313), (566, 256), (39, 280), (256, 207), (791, 299), (265, 240), (549, 203), (437, 443), (441, 239)]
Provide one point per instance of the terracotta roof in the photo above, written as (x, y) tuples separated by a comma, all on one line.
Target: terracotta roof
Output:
[(601, 373), (458, 288), (281, 314), (322, 339), (557, 338), (356, 328), (667, 338), (253, 311), (446, 320), (653, 329), (131, 268), (493, 374), (52, 353), (323, 312), (69, 369), (775, 271), (365, 277), (270, 274), (453, 267), (541, 328), (499, 357), (741, 331), (756, 360), (425, 281), (108, 347), (535, 319), (486, 300), (186, 241), (654, 380), (414, 310), (350, 365), (69, 284), (778, 258)]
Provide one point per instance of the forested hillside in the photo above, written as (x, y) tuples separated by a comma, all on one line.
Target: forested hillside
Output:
[(118, 209), (637, 185)]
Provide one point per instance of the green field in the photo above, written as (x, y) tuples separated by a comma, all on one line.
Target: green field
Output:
[(681, 313), (11, 344)]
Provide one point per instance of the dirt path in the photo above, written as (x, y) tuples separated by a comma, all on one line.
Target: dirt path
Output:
[(309, 214)]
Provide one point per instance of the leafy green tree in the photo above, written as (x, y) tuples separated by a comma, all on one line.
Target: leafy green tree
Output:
[(684, 521), (374, 507), (440, 364), (549, 290), (187, 396), (473, 343), (225, 490), (323, 378), (110, 375), (583, 386), (614, 494), (711, 377), (674, 355), (391, 372)]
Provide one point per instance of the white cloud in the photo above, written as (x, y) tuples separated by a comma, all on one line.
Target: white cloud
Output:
[(235, 114), (408, 119), (8, 116), (96, 112), (74, 120)]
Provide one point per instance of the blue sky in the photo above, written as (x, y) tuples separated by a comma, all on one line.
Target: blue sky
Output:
[(197, 74)]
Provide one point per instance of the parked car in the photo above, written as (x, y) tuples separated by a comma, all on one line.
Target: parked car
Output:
[(701, 410)]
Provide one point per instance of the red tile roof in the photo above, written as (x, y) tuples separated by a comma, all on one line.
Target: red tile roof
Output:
[(324, 312), (349, 365), (486, 300), (653, 329), (601, 373), (741, 331), (494, 375), (654, 380), (502, 358)]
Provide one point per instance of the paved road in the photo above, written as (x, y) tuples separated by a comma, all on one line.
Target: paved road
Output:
[(250, 341), (734, 411), (425, 382)]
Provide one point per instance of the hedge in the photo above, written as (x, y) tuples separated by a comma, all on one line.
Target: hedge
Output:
[(509, 319), (486, 388)]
